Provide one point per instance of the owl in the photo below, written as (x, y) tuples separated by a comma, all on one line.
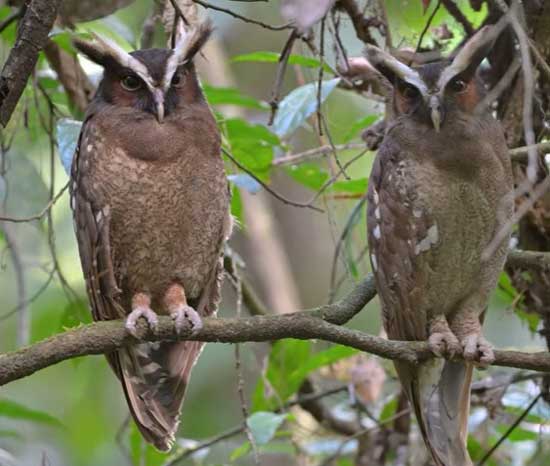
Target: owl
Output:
[(151, 208), (440, 190)]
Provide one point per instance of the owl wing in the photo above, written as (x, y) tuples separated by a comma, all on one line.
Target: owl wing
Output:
[(401, 236), (399, 240), (92, 233)]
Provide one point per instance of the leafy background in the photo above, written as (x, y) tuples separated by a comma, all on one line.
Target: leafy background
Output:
[(74, 413)]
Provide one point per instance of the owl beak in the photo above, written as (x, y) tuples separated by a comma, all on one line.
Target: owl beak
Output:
[(436, 112), (158, 97)]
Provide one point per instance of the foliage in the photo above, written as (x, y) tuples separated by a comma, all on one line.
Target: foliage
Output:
[(86, 403)]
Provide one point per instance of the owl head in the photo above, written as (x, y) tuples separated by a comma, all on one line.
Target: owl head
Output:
[(152, 81), (430, 93)]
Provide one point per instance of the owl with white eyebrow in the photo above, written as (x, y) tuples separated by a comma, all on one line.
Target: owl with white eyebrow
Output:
[(440, 190), (151, 209)]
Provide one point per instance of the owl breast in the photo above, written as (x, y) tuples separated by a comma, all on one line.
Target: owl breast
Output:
[(167, 214)]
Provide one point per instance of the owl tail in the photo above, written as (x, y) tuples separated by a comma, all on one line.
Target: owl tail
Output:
[(439, 392), (155, 377)]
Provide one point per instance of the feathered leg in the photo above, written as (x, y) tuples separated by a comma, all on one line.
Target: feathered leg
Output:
[(176, 303), (141, 307)]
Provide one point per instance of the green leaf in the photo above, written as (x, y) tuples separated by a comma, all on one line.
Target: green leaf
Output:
[(10, 434), (237, 207), (252, 146), (240, 451), (308, 175), (360, 125), (273, 57), (389, 409), (518, 434), (14, 410), (230, 96), (530, 318), (67, 138), (136, 445), (263, 425), (299, 105), (63, 39), (290, 362), (356, 186), (74, 314)]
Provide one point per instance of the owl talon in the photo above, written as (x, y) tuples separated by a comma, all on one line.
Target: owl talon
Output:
[(444, 344), (184, 314), (478, 350), (147, 313)]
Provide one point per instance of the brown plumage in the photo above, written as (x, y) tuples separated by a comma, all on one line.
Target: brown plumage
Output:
[(440, 189), (150, 200)]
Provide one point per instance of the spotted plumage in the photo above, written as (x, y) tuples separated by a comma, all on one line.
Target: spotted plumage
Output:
[(150, 201), (439, 191)]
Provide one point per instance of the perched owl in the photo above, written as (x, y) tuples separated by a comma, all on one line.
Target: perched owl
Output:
[(440, 190), (150, 201)]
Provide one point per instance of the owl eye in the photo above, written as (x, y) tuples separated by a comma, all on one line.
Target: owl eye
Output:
[(131, 83), (177, 80), (409, 91), (458, 85)]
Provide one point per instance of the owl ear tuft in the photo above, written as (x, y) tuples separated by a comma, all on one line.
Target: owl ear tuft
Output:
[(473, 52), (112, 57), (393, 69), (95, 51), (189, 40)]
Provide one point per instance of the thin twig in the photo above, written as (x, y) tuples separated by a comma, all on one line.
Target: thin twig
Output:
[(320, 78), (509, 431), (239, 429), (501, 86), (39, 215), (23, 321), (239, 371), (244, 18), (279, 76), (360, 433), (426, 27), (314, 153), (360, 23), (457, 14), (345, 232), (267, 188), (11, 18), (333, 178)]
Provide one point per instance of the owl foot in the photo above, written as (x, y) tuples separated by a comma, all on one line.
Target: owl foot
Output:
[(442, 341), (183, 314), (141, 311), (478, 350), (444, 344)]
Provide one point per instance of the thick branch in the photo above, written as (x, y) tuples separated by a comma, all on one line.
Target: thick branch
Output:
[(104, 337), (32, 36)]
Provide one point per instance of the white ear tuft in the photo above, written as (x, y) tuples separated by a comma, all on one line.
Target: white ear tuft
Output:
[(470, 55), (189, 40), (108, 53), (392, 68)]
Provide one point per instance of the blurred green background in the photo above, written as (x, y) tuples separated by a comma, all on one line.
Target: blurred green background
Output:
[(72, 413)]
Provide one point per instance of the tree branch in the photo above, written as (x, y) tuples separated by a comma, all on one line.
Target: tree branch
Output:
[(31, 38), (319, 323)]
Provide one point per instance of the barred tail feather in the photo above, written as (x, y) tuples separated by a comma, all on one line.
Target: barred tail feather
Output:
[(155, 377), (439, 392)]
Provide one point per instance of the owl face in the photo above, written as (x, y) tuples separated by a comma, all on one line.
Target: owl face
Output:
[(436, 92), (430, 105), (154, 82)]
